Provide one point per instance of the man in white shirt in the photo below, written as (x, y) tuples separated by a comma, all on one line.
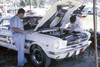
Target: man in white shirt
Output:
[(75, 24)]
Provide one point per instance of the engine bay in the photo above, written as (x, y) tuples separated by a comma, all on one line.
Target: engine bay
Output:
[(72, 38)]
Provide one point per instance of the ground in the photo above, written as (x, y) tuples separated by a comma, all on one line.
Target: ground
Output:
[(8, 58)]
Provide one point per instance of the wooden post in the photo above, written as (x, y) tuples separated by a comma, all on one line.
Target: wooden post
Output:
[(95, 35), (30, 5)]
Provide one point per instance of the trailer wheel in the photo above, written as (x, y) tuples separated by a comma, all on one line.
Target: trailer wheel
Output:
[(39, 58), (89, 12), (98, 43)]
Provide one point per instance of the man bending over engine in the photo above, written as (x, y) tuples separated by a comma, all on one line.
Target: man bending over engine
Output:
[(75, 26)]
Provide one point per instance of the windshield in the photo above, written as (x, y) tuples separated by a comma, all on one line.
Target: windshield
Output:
[(33, 21)]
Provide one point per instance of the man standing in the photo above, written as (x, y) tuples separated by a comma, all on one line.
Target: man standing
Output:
[(17, 28)]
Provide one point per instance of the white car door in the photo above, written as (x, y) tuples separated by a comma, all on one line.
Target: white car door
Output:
[(6, 35)]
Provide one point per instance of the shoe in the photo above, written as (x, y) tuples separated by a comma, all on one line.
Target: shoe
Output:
[(25, 60)]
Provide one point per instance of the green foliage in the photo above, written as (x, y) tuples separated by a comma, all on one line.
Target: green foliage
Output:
[(17, 4), (36, 3), (22, 3), (27, 2)]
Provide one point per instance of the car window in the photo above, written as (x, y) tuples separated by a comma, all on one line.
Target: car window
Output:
[(5, 22), (33, 22), (85, 9)]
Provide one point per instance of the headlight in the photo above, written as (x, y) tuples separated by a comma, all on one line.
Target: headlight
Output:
[(56, 46), (62, 44)]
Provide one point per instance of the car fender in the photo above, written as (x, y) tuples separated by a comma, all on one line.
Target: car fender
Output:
[(42, 45)]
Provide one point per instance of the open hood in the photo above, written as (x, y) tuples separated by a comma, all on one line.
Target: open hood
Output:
[(58, 13)]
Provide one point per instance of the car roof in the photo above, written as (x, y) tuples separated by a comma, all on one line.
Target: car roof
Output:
[(5, 18)]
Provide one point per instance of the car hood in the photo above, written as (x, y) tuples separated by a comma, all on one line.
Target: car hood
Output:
[(70, 6), (42, 38), (46, 40)]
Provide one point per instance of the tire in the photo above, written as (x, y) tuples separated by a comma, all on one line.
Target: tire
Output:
[(89, 12), (98, 43), (39, 58)]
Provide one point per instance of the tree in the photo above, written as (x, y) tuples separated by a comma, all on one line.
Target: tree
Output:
[(36, 3), (42, 2), (22, 3), (27, 2), (39, 3)]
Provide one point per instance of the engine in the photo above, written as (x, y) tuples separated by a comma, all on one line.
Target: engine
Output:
[(53, 32)]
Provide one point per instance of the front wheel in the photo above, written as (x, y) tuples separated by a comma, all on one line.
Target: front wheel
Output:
[(39, 58)]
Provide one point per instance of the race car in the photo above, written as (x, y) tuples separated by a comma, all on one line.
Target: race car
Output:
[(45, 41)]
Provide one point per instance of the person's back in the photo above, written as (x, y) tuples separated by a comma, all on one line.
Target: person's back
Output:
[(76, 24)]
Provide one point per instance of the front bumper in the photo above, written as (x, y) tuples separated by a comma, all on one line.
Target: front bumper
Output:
[(68, 52)]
